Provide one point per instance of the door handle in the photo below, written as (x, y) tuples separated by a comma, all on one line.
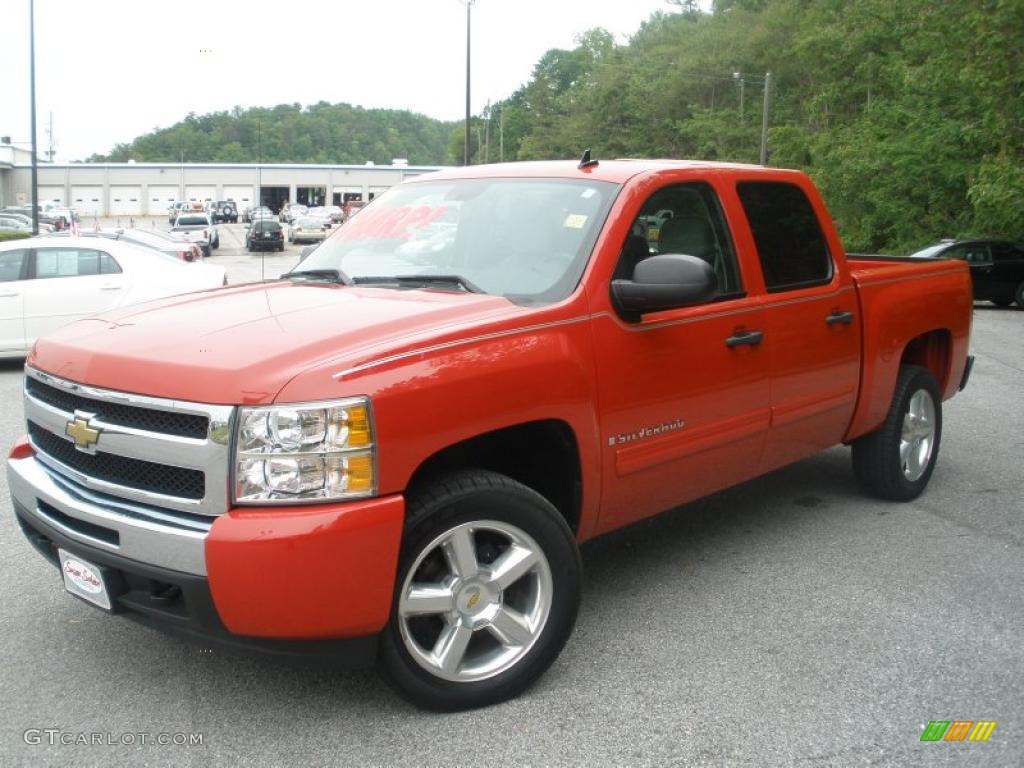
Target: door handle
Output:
[(7, 295), (110, 287), (839, 317), (740, 338)]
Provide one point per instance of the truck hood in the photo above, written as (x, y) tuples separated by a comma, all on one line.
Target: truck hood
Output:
[(243, 344)]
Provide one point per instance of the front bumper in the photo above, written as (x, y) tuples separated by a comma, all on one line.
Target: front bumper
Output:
[(255, 577)]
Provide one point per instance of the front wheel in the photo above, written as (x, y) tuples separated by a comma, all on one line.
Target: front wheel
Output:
[(487, 592), (896, 461)]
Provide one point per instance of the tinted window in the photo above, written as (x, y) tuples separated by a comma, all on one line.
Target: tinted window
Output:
[(790, 243), (1006, 252), (682, 219), (72, 262), (973, 253), (190, 221), (10, 265)]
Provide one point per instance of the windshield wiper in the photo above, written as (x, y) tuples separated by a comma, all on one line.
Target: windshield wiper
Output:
[(334, 274), (410, 280)]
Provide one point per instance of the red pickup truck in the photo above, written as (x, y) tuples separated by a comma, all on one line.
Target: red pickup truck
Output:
[(393, 452)]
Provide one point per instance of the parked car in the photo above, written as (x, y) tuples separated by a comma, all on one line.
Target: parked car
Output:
[(48, 282), (226, 211), (27, 220), (11, 224), (264, 234), (167, 243), (335, 213), (398, 460), (176, 210), (291, 212), (197, 228), (57, 222), (307, 230), (997, 267), (258, 211)]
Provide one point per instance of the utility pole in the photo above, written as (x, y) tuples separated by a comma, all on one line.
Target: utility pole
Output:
[(465, 150), (764, 119), (739, 77), (487, 134), (51, 152), (32, 89)]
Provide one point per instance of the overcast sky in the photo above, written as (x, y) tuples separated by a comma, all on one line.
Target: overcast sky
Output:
[(110, 70)]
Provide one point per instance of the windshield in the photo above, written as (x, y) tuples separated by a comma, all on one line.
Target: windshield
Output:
[(930, 251), (525, 239)]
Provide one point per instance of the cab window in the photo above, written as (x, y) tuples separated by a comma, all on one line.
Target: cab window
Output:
[(790, 244), (683, 219)]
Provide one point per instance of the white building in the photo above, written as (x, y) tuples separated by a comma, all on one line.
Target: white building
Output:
[(140, 189)]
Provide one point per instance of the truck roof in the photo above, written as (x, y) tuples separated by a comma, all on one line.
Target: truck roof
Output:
[(616, 171)]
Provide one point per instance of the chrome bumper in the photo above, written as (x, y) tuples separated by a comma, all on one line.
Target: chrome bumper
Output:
[(138, 532)]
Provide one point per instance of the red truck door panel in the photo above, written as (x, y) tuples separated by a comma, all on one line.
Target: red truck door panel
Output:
[(682, 412), (812, 333)]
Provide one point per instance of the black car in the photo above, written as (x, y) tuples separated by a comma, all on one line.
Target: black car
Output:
[(997, 267), (226, 210), (264, 234)]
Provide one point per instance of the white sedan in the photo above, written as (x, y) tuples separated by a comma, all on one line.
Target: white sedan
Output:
[(48, 282)]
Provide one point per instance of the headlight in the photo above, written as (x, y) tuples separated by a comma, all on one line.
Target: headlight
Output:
[(309, 452)]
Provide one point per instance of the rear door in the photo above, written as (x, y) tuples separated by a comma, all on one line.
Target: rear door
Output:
[(67, 284), (812, 323), (13, 269)]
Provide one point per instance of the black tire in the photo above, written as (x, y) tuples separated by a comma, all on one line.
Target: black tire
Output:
[(1018, 296), (488, 499), (280, 246), (877, 463), (1002, 302)]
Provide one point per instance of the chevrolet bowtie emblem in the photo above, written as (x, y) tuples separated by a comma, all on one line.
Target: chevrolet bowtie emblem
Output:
[(78, 429)]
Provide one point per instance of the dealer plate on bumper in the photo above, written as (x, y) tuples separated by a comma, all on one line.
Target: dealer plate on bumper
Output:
[(83, 579)]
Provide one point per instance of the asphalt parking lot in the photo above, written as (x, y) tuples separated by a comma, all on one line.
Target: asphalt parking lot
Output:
[(787, 621)]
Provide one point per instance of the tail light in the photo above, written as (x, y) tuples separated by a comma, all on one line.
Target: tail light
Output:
[(185, 255)]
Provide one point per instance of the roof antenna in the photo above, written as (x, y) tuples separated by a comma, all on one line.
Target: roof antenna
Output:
[(585, 161)]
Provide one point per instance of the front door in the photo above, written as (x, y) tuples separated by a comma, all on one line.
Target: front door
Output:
[(683, 393)]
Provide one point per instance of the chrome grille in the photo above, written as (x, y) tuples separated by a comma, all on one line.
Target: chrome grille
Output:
[(140, 454), (168, 422), (131, 473)]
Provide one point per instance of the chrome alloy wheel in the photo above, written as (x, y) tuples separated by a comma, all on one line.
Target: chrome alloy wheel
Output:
[(917, 437), (475, 601)]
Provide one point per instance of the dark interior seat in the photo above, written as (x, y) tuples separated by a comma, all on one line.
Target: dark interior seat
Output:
[(689, 234)]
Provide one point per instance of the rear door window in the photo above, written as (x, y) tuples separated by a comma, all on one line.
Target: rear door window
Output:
[(72, 262), (790, 244), (11, 265)]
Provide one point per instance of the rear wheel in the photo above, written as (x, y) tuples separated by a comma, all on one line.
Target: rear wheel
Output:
[(896, 460), (486, 596)]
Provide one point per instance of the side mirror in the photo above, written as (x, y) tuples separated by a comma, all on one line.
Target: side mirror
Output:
[(665, 281)]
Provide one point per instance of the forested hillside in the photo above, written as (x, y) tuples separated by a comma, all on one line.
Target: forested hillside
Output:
[(909, 114), (289, 133)]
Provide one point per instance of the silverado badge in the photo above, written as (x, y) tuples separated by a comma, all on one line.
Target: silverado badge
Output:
[(78, 429)]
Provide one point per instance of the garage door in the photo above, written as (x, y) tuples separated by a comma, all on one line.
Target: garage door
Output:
[(88, 201), (200, 194), (125, 201), (49, 194), (241, 195), (161, 198)]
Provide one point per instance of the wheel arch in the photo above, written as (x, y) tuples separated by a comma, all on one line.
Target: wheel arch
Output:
[(931, 350), (542, 455)]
